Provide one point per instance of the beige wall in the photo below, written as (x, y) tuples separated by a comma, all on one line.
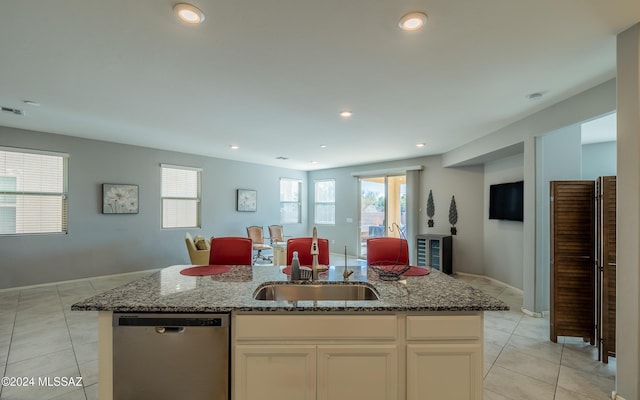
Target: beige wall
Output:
[(628, 208), (466, 183), (99, 244), (520, 136), (503, 240)]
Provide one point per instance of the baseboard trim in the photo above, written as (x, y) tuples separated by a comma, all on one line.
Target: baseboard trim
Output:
[(491, 279), (75, 280), (522, 309), (616, 396), (532, 313)]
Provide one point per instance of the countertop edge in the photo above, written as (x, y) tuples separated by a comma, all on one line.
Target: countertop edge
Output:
[(169, 291)]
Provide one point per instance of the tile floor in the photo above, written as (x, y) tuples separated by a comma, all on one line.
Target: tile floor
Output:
[(41, 337), (520, 363)]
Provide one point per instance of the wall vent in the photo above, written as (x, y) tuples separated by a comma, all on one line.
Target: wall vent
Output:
[(13, 110)]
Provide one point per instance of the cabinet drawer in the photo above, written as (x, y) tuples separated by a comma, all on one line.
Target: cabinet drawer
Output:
[(446, 327), (322, 327)]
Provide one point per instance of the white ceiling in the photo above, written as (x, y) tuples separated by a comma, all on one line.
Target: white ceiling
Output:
[(272, 75)]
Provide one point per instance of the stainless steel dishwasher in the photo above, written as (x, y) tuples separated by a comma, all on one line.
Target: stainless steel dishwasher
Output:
[(171, 356)]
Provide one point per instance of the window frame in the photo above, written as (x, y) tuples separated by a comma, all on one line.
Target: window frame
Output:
[(298, 203), (317, 203), (197, 199), (63, 195)]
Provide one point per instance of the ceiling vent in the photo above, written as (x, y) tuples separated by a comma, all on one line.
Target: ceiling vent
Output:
[(282, 158), (12, 110)]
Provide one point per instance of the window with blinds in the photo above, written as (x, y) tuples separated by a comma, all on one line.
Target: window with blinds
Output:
[(325, 202), (33, 192), (290, 202), (180, 196)]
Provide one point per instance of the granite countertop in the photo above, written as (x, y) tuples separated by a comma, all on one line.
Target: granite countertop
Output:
[(169, 291)]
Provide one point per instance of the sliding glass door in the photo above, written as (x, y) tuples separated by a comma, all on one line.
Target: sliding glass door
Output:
[(382, 208)]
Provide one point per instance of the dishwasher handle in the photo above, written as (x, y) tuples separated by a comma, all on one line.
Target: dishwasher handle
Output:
[(165, 321), (169, 329)]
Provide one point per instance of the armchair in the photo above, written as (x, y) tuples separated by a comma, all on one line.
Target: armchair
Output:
[(275, 234), (196, 255), (276, 237), (255, 234)]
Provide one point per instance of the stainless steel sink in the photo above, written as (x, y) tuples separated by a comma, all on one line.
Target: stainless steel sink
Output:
[(321, 291)]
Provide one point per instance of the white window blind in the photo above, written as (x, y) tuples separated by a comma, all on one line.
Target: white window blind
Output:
[(33, 192), (290, 202), (180, 197), (325, 202)]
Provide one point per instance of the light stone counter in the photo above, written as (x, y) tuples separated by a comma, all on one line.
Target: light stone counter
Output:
[(167, 291)]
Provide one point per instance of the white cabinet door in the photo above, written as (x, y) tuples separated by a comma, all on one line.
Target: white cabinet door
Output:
[(358, 372), (274, 372), (444, 371)]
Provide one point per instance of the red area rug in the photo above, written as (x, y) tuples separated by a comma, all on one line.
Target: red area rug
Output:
[(205, 270), (416, 271)]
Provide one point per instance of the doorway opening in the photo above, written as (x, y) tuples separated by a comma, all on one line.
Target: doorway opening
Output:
[(383, 208)]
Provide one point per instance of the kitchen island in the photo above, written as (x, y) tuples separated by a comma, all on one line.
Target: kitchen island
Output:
[(422, 338)]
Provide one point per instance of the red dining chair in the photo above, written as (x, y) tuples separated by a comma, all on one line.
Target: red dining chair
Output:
[(303, 247), (387, 251), (230, 251)]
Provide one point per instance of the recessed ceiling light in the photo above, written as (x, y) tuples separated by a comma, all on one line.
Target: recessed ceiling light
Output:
[(413, 21), (188, 13), (234, 147), (345, 113), (314, 162), (420, 144), (323, 146)]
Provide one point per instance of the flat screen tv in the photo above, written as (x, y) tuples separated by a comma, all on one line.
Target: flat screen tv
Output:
[(505, 201)]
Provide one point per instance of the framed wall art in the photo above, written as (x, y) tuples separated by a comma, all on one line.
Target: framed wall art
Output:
[(119, 198), (247, 200)]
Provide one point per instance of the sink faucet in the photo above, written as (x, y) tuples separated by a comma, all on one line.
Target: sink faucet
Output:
[(347, 272), (314, 255)]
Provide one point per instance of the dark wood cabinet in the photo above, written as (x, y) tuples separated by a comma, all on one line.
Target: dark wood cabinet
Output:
[(435, 251)]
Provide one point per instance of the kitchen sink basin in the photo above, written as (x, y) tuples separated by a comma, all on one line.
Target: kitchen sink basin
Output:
[(321, 291)]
